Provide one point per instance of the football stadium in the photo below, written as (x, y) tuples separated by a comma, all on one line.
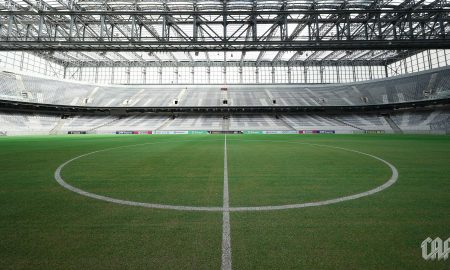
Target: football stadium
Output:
[(224, 134)]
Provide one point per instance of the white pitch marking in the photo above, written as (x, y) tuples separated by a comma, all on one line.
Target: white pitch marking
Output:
[(61, 181), (226, 230), (390, 182), (384, 186)]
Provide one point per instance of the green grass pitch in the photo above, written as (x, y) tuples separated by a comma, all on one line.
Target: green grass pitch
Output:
[(44, 226)]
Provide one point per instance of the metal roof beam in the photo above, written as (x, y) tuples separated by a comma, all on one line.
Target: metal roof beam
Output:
[(129, 63)]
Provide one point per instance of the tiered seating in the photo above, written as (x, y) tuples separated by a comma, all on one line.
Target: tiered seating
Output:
[(433, 84), (135, 97), (441, 123), (48, 91), (409, 122), (366, 122), (201, 96), (8, 87), (315, 122), (420, 121), (248, 96), (310, 96), (85, 123), (195, 122), (257, 122), (133, 123), (27, 124)]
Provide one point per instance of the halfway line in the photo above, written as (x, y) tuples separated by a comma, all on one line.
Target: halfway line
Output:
[(226, 234)]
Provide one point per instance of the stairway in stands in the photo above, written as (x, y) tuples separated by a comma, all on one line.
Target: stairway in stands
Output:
[(393, 125), (283, 120), (55, 130), (347, 124), (226, 123), (104, 124), (166, 123)]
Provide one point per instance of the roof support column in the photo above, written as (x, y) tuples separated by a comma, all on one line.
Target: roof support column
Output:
[(10, 25), (112, 75), (305, 74), (253, 22), (241, 81), (430, 63), (445, 57), (195, 24), (160, 75), (176, 75), (423, 60), (225, 21), (22, 56), (144, 75), (224, 73), (338, 77), (208, 74), (41, 25), (405, 65), (289, 74), (273, 74), (102, 26), (354, 73), (321, 73)]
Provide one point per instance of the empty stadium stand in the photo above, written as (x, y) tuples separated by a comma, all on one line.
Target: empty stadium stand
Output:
[(27, 124), (431, 121), (194, 122), (427, 85), (66, 96), (317, 122), (422, 121), (257, 122)]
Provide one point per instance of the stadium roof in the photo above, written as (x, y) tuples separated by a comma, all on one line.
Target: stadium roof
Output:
[(205, 33)]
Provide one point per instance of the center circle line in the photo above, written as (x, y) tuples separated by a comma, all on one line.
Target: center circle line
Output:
[(387, 184)]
